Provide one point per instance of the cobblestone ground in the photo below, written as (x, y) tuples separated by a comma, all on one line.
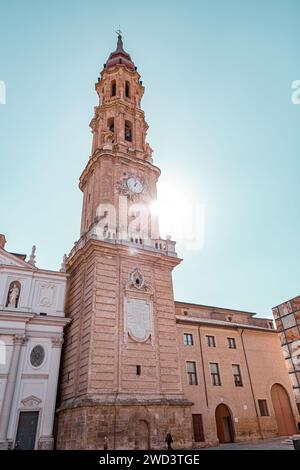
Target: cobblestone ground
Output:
[(267, 444)]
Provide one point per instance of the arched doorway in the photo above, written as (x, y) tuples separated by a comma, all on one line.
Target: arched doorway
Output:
[(225, 429), (142, 435), (283, 411)]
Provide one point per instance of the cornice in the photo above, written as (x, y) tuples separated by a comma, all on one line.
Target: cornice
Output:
[(188, 320), (33, 318), (100, 153), (32, 272), (122, 105), (117, 69), (127, 252)]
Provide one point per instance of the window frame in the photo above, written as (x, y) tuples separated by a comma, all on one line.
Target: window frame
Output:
[(192, 375), (263, 407), (186, 337), (231, 343), (238, 379), (211, 341), (215, 376)]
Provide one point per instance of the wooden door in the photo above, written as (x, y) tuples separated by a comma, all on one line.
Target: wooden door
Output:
[(225, 430), (283, 411), (27, 426), (198, 428)]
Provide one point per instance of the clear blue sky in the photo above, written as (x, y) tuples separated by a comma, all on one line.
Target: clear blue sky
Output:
[(218, 80)]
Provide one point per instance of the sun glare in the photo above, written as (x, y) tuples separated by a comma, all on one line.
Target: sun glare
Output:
[(179, 214)]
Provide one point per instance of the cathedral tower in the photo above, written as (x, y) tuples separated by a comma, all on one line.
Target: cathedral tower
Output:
[(120, 377)]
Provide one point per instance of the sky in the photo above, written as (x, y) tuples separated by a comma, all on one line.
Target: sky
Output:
[(217, 77)]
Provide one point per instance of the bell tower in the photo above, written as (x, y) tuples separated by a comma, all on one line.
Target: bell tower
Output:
[(119, 192), (120, 377)]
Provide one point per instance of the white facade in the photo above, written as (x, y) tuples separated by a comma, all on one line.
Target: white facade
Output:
[(32, 320)]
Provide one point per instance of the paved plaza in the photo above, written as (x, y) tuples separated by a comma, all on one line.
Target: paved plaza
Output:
[(278, 443)]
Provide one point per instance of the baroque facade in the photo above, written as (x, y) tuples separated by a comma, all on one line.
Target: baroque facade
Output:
[(137, 365), (31, 334)]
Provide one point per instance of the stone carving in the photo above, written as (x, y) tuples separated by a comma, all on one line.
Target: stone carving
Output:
[(47, 295), (63, 267), (138, 319), (148, 150), (108, 137), (32, 256), (13, 295), (31, 402), (137, 281), (57, 342), (20, 339)]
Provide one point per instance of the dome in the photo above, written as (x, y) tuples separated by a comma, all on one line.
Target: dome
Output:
[(119, 56)]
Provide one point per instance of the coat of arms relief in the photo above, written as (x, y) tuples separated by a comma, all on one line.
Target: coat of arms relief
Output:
[(138, 309)]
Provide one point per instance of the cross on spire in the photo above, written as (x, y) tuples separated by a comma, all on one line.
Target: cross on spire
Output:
[(119, 32)]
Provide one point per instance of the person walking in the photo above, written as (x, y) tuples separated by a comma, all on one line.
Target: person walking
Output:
[(17, 446), (169, 440)]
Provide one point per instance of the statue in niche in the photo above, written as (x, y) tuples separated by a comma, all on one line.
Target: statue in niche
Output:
[(13, 295)]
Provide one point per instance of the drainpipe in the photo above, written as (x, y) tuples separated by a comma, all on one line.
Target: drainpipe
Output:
[(251, 385), (202, 362)]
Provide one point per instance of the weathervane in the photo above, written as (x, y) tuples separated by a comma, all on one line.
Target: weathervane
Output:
[(119, 32)]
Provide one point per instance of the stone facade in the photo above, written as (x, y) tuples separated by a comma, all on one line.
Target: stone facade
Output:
[(124, 370), (121, 352), (130, 425), (256, 351), (31, 335)]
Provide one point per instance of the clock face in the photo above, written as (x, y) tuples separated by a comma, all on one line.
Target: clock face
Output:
[(135, 185)]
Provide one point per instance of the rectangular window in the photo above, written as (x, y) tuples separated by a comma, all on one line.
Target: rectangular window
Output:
[(211, 342), (138, 370), (237, 375), (198, 428), (263, 407), (192, 373), (215, 374), (188, 339), (231, 343)]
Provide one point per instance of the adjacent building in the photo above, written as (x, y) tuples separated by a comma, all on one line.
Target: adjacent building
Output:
[(233, 372), (287, 319), (32, 321)]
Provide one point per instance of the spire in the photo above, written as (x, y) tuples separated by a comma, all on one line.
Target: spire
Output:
[(120, 44), (120, 56)]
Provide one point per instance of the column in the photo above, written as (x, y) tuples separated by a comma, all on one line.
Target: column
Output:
[(46, 432), (10, 387)]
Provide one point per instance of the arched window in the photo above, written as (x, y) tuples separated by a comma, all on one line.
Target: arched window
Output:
[(128, 131), (127, 89), (13, 295), (111, 124), (113, 88)]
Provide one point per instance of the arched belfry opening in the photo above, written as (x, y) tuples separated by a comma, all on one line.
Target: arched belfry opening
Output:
[(128, 131), (127, 89), (113, 88)]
